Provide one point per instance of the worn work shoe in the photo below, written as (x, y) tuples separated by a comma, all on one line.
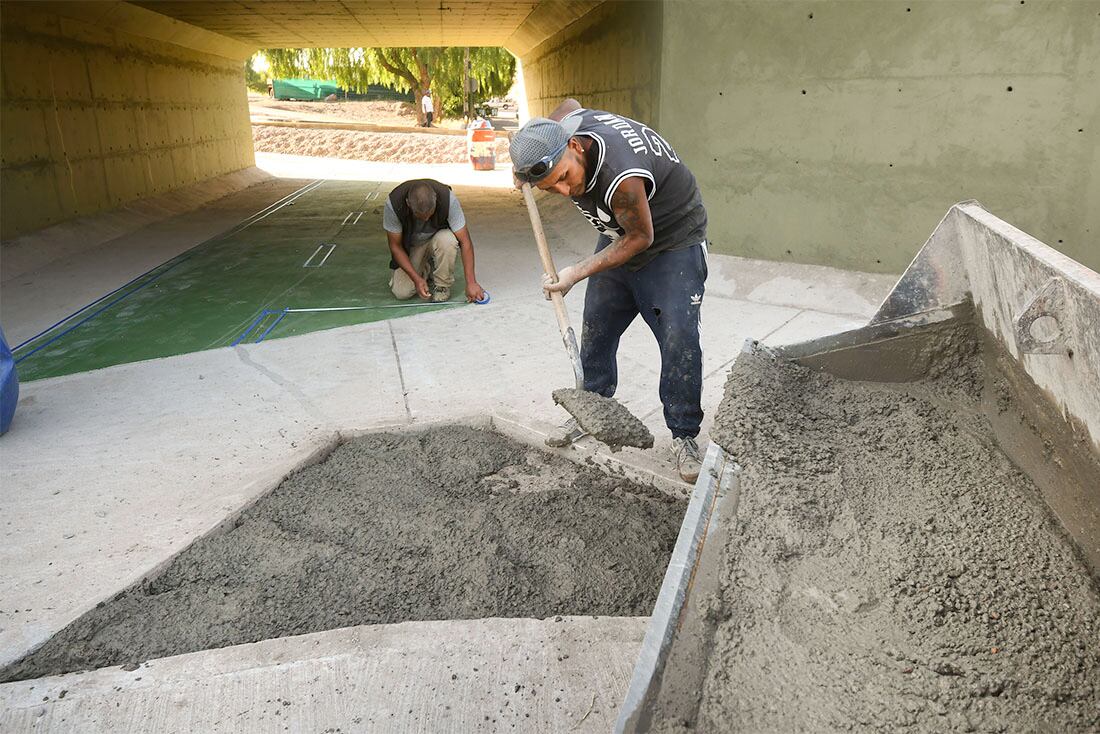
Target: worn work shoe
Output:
[(440, 294), (688, 459), (566, 434)]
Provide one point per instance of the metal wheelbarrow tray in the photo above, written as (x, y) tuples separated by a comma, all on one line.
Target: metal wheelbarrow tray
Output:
[(1039, 315)]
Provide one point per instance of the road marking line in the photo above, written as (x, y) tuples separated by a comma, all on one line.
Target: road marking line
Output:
[(331, 249), (310, 258), (322, 246)]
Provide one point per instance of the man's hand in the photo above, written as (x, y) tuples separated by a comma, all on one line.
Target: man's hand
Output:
[(422, 288), (474, 292), (567, 278)]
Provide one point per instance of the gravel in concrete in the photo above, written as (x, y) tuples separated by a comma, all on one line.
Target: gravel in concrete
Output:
[(450, 523), (605, 418), (890, 567)]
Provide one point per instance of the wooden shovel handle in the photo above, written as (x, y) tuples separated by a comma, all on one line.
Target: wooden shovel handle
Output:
[(547, 259)]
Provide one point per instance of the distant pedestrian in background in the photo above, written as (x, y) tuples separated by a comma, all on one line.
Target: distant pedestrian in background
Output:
[(429, 109)]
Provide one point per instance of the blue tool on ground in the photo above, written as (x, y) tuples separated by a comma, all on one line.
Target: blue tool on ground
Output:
[(484, 300), (9, 385)]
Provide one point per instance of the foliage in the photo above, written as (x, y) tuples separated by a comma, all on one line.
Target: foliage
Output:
[(406, 69), (253, 79)]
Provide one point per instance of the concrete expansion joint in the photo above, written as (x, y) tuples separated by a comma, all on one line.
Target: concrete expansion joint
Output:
[(286, 384), (726, 365)]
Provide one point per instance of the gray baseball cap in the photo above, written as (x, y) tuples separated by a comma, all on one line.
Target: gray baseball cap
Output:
[(541, 140)]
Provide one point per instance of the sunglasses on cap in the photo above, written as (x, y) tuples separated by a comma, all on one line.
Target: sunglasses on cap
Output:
[(538, 170)]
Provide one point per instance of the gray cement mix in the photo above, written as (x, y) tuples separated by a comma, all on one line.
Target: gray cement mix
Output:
[(889, 567), (606, 419), (450, 523)]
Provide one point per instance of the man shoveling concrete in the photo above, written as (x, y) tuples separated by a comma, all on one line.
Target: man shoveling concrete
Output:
[(650, 257)]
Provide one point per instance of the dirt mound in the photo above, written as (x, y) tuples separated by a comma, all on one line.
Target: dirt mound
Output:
[(367, 146), (377, 112)]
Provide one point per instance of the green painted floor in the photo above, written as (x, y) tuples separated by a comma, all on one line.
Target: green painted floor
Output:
[(234, 288)]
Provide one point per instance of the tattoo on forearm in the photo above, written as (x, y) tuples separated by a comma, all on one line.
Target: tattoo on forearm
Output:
[(632, 214)]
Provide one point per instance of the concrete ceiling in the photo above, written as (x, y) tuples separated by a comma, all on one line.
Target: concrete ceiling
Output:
[(516, 24)]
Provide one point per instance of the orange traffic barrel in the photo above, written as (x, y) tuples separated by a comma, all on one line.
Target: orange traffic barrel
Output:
[(481, 142)]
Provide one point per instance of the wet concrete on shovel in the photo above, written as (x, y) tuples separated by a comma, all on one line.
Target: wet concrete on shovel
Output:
[(606, 419)]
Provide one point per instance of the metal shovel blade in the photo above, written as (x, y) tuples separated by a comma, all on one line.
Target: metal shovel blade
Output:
[(605, 418)]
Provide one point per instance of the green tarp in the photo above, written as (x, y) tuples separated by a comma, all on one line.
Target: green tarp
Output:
[(304, 88)]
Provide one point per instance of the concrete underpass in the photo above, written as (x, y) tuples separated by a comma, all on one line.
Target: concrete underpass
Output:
[(193, 320)]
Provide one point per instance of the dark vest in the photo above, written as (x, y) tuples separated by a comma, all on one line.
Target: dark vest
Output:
[(404, 213)]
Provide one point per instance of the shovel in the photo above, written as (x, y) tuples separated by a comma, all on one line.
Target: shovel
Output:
[(605, 418)]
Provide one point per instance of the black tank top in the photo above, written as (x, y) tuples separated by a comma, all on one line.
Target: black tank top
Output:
[(622, 148)]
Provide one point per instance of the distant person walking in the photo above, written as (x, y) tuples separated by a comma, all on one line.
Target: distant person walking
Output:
[(426, 230), (429, 109)]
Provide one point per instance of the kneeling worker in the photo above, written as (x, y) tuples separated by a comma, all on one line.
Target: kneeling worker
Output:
[(426, 230)]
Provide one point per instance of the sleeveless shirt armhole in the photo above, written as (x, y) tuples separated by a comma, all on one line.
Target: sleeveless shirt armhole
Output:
[(651, 186)]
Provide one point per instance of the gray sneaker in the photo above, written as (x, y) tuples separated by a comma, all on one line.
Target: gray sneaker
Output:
[(688, 459), (566, 434), (440, 294)]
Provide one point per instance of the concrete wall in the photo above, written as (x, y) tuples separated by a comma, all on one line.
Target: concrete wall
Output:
[(92, 117), (841, 132), (609, 59)]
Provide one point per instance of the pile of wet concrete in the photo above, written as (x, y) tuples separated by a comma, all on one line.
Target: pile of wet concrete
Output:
[(449, 523), (887, 565)]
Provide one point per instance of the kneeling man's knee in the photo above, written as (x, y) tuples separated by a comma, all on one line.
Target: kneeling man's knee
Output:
[(444, 239), (403, 289)]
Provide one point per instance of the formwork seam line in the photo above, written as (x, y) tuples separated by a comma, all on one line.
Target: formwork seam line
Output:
[(400, 372)]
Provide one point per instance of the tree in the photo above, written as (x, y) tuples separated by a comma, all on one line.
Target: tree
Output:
[(421, 70), (253, 79)]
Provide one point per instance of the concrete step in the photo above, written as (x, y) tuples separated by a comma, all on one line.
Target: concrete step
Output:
[(564, 674)]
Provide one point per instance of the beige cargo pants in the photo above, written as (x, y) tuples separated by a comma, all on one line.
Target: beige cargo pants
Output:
[(440, 251)]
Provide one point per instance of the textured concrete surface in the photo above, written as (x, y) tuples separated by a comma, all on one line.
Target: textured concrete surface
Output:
[(34, 250), (94, 117), (609, 59), (840, 132), (567, 674), (270, 24), (110, 473)]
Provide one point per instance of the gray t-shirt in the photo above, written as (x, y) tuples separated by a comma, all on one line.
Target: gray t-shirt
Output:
[(623, 148), (423, 231)]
